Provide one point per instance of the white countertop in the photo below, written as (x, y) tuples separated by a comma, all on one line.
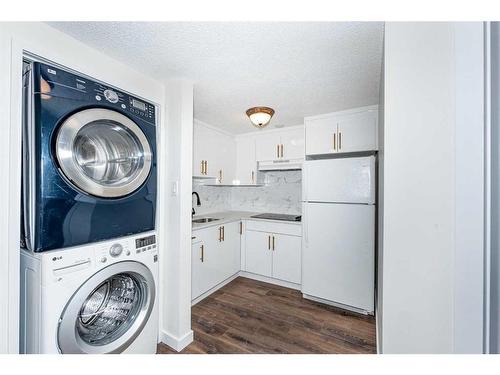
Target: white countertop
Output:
[(230, 216)]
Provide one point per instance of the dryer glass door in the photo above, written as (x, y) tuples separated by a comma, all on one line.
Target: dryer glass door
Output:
[(103, 153), (108, 312)]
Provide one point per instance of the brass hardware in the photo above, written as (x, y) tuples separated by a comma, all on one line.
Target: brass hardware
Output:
[(220, 176), (202, 253), (220, 234), (206, 167), (253, 177), (340, 140), (241, 227), (334, 142), (268, 242), (281, 150), (223, 233), (278, 150), (273, 243)]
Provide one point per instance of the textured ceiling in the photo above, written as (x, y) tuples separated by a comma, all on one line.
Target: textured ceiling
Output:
[(297, 68)]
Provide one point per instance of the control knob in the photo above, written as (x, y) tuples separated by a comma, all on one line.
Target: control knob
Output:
[(111, 96), (115, 250)]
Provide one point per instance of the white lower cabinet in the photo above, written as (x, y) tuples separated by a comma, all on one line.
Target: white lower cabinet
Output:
[(216, 253), (215, 256), (259, 256), (286, 258), (275, 255)]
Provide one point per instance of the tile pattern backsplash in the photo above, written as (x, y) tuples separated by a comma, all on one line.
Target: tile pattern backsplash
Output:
[(281, 194)]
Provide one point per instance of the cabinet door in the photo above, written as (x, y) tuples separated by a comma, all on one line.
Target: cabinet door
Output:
[(230, 250), (222, 158), (258, 253), (199, 276), (286, 258), (293, 144), (246, 164), (267, 146), (358, 132), (200, 149), (321, 135)]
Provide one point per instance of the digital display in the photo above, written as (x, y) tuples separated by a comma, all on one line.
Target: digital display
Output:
[(139, 105), (145, 241)]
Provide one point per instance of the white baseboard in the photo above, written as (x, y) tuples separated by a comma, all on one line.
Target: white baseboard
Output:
[(270, 280), (339, 305), (176, 343)]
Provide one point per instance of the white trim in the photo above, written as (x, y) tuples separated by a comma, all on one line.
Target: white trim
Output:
[(468, 264), (176, 343), (487, 187), (350, 111), (265, 131), (339, 305), (214, 289), (270, 280), (197, 122)]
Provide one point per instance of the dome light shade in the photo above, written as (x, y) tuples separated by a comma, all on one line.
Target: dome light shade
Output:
[(260, 116)]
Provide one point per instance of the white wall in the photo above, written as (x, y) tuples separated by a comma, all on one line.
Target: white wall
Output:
[(424, 310), (51, 44), (175, 321)]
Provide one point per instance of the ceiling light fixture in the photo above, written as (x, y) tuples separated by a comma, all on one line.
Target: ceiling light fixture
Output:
[(260, 116)]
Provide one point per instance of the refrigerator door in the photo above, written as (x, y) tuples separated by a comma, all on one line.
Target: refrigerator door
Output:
[(338, 259), (342, 180)]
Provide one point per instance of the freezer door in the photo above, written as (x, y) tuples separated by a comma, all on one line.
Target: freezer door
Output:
[(339, 253), (342, 180)]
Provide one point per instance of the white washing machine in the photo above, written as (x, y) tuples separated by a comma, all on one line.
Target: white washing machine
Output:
[(98, 298)]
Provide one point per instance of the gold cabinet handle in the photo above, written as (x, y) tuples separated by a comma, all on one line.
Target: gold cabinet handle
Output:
[(278, 151), (202, 247), (220, 234), (281, 150), (340, 140), (273, 243), (334, 142), (223, 233), (253, 177), (201, 167), (268, 242), (220, 176), (241, 227)]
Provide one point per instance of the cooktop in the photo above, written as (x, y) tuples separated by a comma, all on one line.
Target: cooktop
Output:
[(278, 217)]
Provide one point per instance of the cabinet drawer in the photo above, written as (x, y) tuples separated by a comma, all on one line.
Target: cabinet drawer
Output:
[(274, 227)]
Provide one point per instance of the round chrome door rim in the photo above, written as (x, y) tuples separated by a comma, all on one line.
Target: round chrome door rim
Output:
[(64, 152), (68, 339)]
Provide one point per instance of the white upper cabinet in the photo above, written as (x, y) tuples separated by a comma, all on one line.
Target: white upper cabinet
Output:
[(292, 144), (246, 164), (213, 154), (280, 145), (267, 146), (353, 130)]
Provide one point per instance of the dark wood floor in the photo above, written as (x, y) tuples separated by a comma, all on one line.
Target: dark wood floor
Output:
[(248, 316)]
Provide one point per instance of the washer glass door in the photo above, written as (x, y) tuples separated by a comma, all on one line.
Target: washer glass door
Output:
[(108, 311), (103, 152)]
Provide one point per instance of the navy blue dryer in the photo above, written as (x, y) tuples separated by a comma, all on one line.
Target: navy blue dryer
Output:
[(89, 165)]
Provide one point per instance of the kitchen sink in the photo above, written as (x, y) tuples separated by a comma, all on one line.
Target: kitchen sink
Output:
[(205, 220)]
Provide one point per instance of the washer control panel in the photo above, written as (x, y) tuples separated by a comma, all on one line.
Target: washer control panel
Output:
[(145, 243)]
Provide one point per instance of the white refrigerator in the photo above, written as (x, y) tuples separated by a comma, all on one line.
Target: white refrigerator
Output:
[(338, 255)]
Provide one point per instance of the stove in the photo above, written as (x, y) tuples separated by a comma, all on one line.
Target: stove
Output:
[(278, 217)]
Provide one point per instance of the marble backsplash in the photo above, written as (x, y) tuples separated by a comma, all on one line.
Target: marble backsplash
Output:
[(281, 193)]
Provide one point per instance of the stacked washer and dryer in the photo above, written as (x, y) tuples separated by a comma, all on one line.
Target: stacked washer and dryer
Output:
[(89, 263)]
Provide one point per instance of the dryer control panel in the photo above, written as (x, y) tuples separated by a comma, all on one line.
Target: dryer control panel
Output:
[(58, 82)]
